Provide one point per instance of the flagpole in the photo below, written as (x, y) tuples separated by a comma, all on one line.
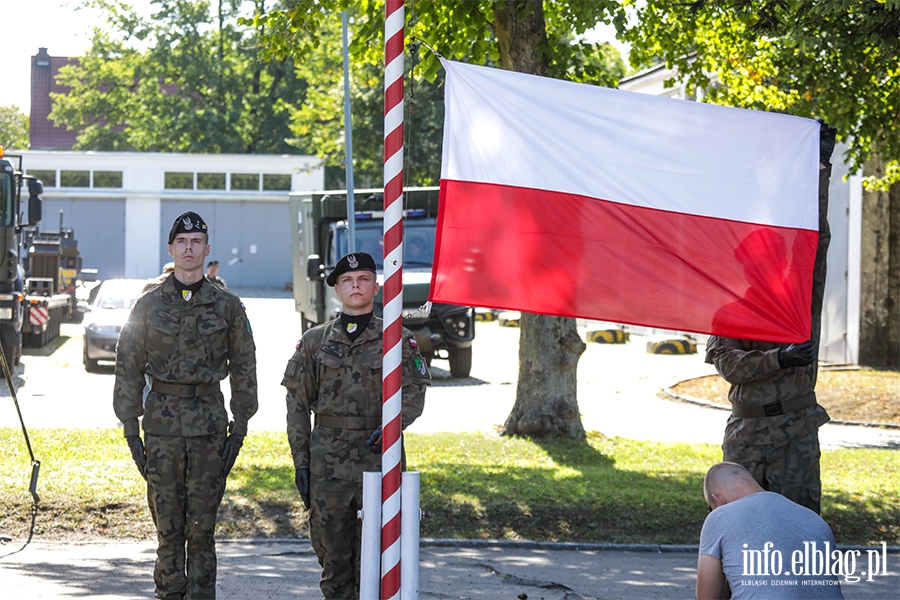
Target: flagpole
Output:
[(394, 16)]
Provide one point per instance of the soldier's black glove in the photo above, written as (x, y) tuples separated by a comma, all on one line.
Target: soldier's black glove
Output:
[(230, 452), (798, 355), (138, 454), (374, 441), (826, 142), (301, 480)]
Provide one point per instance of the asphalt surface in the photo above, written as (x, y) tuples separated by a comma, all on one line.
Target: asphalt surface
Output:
[(617, 393)]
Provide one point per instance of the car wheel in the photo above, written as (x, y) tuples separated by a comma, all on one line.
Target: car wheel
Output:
[(90, 365), (460, 361)]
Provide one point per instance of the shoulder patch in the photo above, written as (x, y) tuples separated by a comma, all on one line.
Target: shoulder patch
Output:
[(413, 342)]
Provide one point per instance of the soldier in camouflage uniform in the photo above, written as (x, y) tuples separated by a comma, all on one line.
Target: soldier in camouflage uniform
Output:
[(773, 429), (185, 335), (336, 373)]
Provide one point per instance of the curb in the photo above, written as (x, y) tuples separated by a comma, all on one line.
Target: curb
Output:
[(690, 399), (532, 545)]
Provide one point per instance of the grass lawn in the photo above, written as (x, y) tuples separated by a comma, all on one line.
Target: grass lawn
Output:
[(473, 486)]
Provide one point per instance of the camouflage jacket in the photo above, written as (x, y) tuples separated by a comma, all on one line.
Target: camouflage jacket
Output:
[(197, 342), (332, 377), (756, 378)]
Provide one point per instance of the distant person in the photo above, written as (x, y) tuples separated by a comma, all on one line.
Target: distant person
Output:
[(167, 270), (773, 429), (185, 335), (212, 273), (742, 534), (335, 373)]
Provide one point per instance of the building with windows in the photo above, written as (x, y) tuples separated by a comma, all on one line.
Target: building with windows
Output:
[(122, 204)]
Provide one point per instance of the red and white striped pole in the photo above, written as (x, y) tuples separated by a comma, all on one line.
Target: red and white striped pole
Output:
[(394, 17)]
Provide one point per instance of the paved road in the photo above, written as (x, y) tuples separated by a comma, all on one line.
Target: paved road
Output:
[(617, 388), (280, 570)]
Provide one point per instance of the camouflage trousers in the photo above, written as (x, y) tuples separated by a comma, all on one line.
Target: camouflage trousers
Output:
[(791, 470), (184, 489), (335, 533)]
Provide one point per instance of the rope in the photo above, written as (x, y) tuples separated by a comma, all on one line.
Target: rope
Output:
[(35, 464)]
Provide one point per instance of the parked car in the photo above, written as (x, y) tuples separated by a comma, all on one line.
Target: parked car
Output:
[(105, 316)]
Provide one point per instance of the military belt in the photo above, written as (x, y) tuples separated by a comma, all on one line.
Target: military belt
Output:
[(183, 390), (773, 409), (348, 422)]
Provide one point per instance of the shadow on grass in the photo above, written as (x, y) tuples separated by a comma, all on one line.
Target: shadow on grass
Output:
[(582, 497), (262, 502), (863, 522)]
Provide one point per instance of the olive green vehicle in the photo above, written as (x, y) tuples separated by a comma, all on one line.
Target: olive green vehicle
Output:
[(320, 237)]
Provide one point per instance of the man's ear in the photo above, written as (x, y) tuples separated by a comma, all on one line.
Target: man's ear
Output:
[(719, 500)]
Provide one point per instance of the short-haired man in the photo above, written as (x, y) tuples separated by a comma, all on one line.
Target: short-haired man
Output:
[(212, 273), (186, 335), (336, 373), (746, 527)]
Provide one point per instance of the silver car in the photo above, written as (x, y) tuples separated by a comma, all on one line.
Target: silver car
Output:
[(105, 317)]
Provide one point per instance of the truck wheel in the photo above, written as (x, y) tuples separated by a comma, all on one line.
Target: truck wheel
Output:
[(90, 365), (460, 361), (12, 345)]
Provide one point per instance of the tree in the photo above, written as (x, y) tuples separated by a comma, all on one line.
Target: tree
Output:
[(13, 128), (825, 58), (183, 80), (528, 36), (319, 122), (833, 59)]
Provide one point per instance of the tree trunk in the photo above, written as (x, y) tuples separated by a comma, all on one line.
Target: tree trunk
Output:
[(546, 400), (549, 347), (879, 326)]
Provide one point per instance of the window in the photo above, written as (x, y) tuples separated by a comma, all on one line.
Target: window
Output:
[(6, 200), (107, 179), (245, 181), (210, 181), (75, 179), (276, 182), (179, 181), (47, 177)]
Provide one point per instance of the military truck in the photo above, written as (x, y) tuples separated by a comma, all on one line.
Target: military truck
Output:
[(320, 237), (38, 270)]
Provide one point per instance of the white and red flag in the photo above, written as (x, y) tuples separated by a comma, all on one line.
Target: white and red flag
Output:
[(575, 200)]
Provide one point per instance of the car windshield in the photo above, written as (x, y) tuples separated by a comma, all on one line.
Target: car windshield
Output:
[(418, 243), (118, 293)]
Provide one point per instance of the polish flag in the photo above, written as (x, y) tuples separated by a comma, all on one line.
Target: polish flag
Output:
[(574, 200)]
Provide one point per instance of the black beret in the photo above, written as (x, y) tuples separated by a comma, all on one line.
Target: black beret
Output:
[(355, 261), (189, 222)]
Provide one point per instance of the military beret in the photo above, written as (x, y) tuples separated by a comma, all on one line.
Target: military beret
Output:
[(189, 222), (355, 261)]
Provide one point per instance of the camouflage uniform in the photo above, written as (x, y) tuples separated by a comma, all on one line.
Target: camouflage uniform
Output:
[(190, 343), (781, 451), (340, 381)]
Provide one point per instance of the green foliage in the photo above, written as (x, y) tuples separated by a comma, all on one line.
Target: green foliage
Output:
[(183, 80), (309, 32), (13, 128), (319, 122), (833, 59)]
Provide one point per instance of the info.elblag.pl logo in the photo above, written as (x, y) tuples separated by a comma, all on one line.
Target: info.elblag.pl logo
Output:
[(811, 561)]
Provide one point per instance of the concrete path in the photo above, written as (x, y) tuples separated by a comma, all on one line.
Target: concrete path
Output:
[(279, 570)]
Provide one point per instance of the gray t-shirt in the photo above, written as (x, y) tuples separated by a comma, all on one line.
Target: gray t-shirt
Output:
[(771, 547)]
